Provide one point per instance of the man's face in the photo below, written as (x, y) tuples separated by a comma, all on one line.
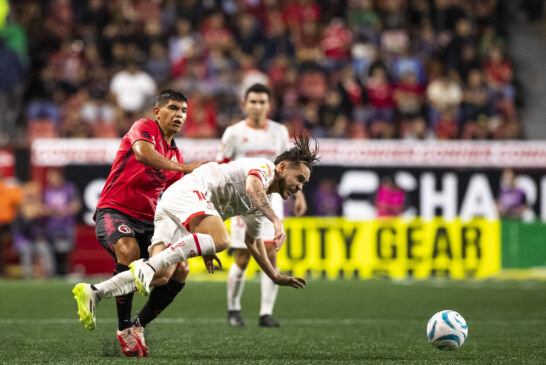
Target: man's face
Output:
[(171, 116), (256, 106), (292, 178)]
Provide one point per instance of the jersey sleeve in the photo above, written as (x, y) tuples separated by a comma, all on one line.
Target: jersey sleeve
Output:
[(227, 150), (254, 225), (142, 130), (263, 169)]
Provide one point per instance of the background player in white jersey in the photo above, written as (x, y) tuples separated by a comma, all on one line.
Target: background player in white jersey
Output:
[(189, 220), (255, 136)]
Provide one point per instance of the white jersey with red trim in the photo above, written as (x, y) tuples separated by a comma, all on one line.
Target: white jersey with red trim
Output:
[(244, 141), (225, 184), (212, 189)]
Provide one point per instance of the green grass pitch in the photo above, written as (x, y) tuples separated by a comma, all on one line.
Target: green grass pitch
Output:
[(343, 322)]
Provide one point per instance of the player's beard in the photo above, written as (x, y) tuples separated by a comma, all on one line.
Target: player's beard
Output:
[(283, 189)]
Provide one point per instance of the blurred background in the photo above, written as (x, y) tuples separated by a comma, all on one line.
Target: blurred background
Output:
[(429, 114)]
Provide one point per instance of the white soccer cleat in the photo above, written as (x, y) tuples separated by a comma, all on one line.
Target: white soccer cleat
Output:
[(143, 274), (87, 302)]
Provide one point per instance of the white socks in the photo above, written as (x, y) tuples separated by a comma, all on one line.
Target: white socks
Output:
[(269, 294), (235, 285), (197, 244), (117, 285)]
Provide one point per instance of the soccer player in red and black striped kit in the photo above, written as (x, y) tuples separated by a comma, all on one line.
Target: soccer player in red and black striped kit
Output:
[(147, 162)]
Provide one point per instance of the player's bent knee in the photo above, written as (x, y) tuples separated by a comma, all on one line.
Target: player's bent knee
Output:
[(162, 276), (222, 245), (181, 272), (242, 258)]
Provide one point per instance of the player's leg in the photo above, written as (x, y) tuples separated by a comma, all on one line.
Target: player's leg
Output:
[(126, 253), (235, 286), (236, 274), (116, 233), (269, 290), (113, 232), (167, 283)]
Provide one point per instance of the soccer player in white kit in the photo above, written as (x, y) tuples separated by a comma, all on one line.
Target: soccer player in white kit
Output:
[(256, 136), (189, 220)]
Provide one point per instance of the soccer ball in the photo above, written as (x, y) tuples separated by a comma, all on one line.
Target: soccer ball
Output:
[(447, 330)]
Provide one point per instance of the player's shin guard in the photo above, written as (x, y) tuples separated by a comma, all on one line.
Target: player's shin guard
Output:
[(117, 285), (269, 294), (197, 244), (235, 285)]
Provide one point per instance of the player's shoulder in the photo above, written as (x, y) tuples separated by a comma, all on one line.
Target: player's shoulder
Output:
[(145, 124), (276, 125), (238, 126)]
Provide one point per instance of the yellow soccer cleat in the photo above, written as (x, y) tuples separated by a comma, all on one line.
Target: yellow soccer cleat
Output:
[(87, 301)]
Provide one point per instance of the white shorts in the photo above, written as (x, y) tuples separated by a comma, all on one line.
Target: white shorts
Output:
[(176, 208), (268, 232)]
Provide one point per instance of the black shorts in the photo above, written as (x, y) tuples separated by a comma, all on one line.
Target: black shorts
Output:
[(112, 224)]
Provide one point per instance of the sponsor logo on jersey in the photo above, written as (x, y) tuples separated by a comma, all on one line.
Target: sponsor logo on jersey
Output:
[(174, 159), (146, 135), (123, 228), (267, 170), (210, 206), (192, 253)]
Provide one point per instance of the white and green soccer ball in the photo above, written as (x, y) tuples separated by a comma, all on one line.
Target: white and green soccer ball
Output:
[(447, 330)]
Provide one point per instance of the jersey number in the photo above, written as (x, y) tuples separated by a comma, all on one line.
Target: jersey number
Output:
[(200, 195)]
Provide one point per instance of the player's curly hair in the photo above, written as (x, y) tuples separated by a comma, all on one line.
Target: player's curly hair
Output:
[(301, 152)]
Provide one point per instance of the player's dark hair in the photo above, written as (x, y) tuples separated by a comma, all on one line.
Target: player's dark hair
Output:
[(258, 88), (301, 152), (169, 94)]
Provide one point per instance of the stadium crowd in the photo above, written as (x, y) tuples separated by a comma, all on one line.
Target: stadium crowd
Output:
[(411, 69)]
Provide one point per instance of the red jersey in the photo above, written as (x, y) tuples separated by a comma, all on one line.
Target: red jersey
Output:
[(131, 187)]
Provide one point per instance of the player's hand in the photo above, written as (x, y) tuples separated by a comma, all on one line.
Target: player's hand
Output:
[(294, 282), (280, 236), (209, 262), (300, 205), (189, 167)]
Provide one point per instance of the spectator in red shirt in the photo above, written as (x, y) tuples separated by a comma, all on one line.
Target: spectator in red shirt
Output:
[(336, 44), (381, 100), (147, 162)]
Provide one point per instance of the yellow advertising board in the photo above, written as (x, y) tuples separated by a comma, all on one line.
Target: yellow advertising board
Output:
[(395, 248)]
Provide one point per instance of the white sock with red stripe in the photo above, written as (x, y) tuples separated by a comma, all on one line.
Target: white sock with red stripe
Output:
[(197, 244), (269, 294), (117, 285), (235, 285)]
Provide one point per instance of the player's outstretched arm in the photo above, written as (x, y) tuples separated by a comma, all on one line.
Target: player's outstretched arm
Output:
[(256, 193), (146, 154), (257, 250)]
